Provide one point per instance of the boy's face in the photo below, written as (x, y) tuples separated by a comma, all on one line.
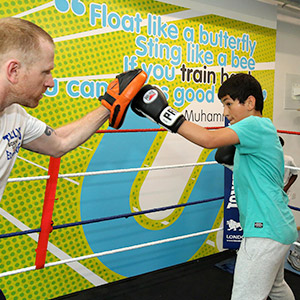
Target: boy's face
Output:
[(235, 111)]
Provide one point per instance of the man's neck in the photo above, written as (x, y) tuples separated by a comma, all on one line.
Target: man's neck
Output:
[(4, 100)]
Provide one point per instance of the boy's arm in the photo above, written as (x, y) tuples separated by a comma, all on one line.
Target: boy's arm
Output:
[(208, 138), (150, 102)]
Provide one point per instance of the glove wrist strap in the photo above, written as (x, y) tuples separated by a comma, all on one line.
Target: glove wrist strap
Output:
[(171, 118)]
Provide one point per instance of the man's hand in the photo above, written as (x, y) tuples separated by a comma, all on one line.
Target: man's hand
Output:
[(119, 94)]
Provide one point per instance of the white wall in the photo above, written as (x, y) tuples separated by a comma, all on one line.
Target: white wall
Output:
[(287, 21), (254, 12), (288, 62)]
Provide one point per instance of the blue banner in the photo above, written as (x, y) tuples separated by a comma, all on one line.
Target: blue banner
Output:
[(233, 232)]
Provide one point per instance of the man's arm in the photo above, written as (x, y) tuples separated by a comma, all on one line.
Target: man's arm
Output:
[(115, 104), (290, 182), (58, 142)]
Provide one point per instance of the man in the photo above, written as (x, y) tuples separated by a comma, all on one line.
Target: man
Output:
[(268, 224), (290, 177), (26, 62)]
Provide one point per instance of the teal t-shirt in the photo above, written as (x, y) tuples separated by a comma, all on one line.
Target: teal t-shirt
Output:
[(258, 182)]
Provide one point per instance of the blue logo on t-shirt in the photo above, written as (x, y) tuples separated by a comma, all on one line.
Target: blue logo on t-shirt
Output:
[(13, 139)]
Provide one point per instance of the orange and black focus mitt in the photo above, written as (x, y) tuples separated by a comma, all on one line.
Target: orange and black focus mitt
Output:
[(119, 94)]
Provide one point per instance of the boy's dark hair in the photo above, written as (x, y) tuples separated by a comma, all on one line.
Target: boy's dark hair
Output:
[(240, 86)]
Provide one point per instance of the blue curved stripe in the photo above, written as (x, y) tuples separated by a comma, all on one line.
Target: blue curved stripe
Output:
[(108, 195)]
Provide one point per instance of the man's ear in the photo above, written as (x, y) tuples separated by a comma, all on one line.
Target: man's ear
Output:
[(250, 102), (13, 70)]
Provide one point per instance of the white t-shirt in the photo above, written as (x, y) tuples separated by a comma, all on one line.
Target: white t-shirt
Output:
[(289, 161), (17, 127)]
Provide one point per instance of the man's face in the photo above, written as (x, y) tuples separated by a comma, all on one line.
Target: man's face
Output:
[(234, 111), (36, 78)]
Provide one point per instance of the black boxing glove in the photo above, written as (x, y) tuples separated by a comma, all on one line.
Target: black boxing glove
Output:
[(225, 155), (150, 102)]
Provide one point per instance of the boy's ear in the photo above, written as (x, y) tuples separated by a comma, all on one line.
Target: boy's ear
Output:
[(250, 102)]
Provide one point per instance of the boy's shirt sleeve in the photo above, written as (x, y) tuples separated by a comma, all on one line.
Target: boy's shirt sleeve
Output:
[(248, 134)]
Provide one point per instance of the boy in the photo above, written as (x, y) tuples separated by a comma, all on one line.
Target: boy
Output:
[(268, 224)]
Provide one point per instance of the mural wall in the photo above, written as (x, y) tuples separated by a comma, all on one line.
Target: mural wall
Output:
[(187, 54)]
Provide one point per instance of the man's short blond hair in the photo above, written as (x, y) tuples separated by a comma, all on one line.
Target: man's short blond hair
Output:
[(21, 36)]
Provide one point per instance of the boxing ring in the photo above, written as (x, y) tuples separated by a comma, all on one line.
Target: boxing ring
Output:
[(41, 235)]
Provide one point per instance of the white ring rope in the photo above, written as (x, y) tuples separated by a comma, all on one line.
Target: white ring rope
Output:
[(18, 179), (114, 171), (292, 168), (125, 248), (137, 169), (70, 260), (122, 171), (67, 261)]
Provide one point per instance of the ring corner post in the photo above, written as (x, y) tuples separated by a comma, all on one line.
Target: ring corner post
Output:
[(46, 222)]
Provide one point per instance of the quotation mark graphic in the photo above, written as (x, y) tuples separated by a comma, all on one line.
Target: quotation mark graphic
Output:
[(77, 6)]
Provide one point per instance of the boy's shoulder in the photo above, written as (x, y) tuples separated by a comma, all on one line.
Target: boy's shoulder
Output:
[(256, 128), (253, 121)]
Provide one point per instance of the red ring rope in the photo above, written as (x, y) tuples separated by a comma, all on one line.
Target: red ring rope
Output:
[(162, 129), (46, 223), (288, 132), (141, 130)]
